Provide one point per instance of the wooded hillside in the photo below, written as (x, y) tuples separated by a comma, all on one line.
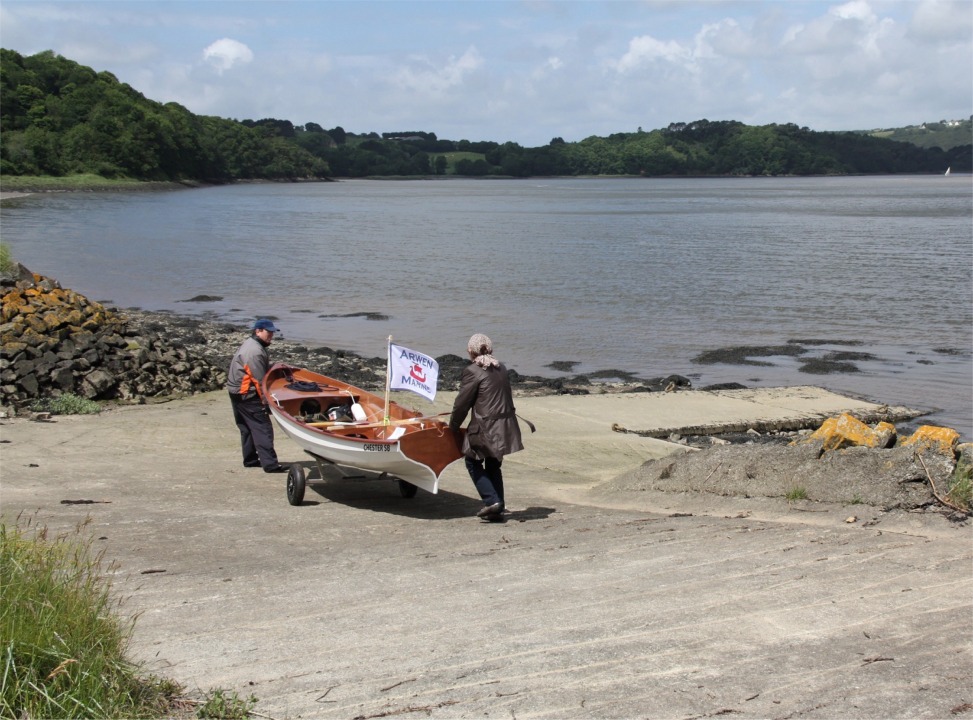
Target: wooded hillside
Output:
[(59, 118)]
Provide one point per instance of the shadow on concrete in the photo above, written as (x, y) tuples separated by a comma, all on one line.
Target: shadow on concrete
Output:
[(372, 491)]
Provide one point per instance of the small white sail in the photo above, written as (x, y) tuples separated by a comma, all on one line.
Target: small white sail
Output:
[(947, 171)]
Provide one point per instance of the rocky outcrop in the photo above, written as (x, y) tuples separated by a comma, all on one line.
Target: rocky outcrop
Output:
[(54, 340), (848, 431)]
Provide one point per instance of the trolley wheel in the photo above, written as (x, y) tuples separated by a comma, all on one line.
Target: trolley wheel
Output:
[(407, 489), (296, 483)]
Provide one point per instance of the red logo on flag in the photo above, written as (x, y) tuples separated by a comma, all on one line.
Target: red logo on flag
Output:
[(417, 373)]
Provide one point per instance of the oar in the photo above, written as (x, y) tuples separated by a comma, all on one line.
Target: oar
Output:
[(406, 421)]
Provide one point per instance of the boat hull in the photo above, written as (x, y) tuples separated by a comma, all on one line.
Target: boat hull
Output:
[(406, 445)]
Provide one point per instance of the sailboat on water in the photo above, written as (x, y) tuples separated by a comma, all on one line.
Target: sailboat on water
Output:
[(947, 170)]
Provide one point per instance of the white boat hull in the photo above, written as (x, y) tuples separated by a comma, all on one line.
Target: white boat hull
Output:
[(348, 426), (359, 453)]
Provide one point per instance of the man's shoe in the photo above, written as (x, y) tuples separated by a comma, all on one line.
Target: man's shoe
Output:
[(276, 469), (252, 464), (495, 518), (495, 509)]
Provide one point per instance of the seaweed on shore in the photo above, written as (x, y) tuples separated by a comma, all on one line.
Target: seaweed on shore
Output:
[(825, 342), (563, 365), (824, 366), (743, 354), (367, 315)]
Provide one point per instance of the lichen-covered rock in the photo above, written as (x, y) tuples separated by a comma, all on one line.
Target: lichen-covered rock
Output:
[(54, 341), (933, 437), (846, 431)]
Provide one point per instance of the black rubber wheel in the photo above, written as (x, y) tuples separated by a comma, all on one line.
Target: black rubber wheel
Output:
[(407, 489), (296, 482)]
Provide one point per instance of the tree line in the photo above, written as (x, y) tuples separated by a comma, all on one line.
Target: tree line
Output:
[(61, 118)]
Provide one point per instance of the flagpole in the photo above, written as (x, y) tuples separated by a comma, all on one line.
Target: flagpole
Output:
[(388, 378)]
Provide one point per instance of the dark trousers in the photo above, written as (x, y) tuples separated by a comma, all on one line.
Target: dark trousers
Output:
[(256, 430), (488, 479)]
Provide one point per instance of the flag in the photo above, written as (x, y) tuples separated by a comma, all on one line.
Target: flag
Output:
[(411, 370)]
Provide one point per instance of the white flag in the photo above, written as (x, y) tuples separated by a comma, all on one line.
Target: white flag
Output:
[(411, 370)]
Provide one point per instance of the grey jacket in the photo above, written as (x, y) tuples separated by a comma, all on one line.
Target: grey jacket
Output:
[(248, 367), (493, 430)]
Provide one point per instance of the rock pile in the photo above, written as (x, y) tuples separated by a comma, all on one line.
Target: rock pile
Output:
[(843, 462), (57, 341)]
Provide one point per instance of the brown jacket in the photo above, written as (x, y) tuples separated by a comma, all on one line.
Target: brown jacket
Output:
[(493, 430)]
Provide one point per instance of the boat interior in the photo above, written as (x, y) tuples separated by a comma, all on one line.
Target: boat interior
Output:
[(336, 410)]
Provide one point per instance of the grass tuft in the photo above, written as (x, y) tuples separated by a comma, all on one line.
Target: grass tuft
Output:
[(960, 490), (62, 644), (66, 404), (7, 263), (221, 705), (796, 493)]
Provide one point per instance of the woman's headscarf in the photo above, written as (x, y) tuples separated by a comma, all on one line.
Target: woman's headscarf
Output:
[(481, 348)]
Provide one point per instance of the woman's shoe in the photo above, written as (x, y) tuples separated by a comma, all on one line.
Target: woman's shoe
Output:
[(495, 509)]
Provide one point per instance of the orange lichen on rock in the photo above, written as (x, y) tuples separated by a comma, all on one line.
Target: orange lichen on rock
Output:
[(933, 437), (847, 431)]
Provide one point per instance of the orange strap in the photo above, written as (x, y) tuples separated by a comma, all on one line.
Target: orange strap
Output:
[(249, 382)]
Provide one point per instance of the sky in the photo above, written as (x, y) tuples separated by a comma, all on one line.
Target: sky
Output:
[(524, 71)]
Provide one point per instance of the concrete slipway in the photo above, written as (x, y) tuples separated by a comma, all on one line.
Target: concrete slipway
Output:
[(362, 604)]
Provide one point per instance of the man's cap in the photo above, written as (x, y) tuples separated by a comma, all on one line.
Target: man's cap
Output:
[(265, 324)]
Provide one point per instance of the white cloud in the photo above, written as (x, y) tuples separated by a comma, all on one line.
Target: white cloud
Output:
[(855, 10), (225, 53), (936, 20), (645, 49), (430, 79), (725, 39)]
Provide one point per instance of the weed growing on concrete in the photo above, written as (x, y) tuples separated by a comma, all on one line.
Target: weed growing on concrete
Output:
[(220, 705), (796, 493), (66, 404)]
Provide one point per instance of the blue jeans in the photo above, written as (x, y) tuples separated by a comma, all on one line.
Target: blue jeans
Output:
[(487, 478)]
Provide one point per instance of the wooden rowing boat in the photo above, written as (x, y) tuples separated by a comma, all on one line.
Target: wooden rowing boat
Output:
[(343, 424)]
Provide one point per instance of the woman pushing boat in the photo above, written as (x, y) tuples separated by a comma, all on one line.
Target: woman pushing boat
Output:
[(493, 431)]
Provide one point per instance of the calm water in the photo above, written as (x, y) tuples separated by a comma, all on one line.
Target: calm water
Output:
[(639, 275)]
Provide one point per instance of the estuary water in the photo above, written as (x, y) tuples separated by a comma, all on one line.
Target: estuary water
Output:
[(640, 275)]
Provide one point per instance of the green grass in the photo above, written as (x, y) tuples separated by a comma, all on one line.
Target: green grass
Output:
[(62, 642), (48, 183), (220, 705), (796, 493), (454, 157), (6, 259), (960, 490), (66, 404)]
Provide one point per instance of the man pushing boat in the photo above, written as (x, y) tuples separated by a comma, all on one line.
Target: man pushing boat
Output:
[(247, 369)]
